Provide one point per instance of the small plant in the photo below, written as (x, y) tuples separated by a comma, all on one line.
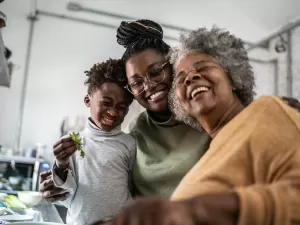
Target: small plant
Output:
[(78, 141)]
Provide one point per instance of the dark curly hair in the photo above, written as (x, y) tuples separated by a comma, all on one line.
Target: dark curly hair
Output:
[(112, 70), (137, 36)]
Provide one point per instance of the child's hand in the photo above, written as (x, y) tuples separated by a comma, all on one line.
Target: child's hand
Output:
[(62, 151)]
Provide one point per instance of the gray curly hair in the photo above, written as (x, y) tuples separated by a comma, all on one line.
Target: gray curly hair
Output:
[(228, 51)]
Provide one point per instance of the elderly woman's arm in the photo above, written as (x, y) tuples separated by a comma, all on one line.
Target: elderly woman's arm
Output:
[(210, 209), (277, 203)]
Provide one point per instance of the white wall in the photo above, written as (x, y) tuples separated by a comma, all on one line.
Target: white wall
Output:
[(62, 50), (282, 67)]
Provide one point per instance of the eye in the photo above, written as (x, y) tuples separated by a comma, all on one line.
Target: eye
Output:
[(135, 83), (155, 72), (180, 79), (122, 107), (106, 103), (201, 69)]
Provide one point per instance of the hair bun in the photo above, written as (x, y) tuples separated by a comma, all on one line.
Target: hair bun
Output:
[(130, 33)]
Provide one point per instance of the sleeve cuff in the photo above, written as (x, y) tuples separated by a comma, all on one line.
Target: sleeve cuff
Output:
[(254, 207), (68, 184)]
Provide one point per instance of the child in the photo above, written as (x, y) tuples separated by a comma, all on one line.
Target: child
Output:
[(99, 183)]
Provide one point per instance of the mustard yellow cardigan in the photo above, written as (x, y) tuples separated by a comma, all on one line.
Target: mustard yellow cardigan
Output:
[(256, 155)]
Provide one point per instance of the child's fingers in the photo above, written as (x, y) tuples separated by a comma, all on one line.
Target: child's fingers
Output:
[(45, 175), (64, 146), (66, 139), (66, 153)]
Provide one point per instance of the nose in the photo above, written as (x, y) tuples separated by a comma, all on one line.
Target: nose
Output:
[(112, 112), (148, 85), (192, 77)]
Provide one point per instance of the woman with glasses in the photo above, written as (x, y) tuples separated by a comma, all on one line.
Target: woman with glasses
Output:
[(166, 149)]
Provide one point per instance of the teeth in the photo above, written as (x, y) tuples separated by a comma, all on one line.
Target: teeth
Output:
[(157, 94), (197, 90), (108, 121)]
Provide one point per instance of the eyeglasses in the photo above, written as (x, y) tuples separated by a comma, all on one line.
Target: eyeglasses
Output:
[(154, 76)]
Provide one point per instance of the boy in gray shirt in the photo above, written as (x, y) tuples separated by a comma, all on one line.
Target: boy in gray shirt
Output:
[(99, 183)]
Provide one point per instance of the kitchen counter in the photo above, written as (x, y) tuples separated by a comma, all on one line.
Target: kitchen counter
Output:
[(48, 212), (44, 212)]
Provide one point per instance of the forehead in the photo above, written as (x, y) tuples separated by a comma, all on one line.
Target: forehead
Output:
[(188, 61), (110, 90), (140, 63)]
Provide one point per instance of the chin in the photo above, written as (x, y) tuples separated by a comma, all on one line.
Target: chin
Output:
[(159, 106), (202, 110)]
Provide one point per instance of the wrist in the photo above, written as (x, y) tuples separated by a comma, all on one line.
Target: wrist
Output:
[(61, 173), (61, 166), (215, 209)]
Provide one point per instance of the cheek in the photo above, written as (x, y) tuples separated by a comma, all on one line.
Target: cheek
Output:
[(96, 110), (222, 84), (180, 95), (169, 77)]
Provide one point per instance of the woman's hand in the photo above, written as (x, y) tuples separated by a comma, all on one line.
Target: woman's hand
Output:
[(156, 212), (49, 191), (222, 209)]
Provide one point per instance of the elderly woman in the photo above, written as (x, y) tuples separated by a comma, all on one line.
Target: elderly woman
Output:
[(250, 174)]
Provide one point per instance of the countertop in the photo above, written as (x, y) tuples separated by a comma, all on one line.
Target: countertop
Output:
[(44, 212), (48, 212)]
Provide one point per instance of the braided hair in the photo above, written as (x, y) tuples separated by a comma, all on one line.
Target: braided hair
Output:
[(137, 36), (112, 70)]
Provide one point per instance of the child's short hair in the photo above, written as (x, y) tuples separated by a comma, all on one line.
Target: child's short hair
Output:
[(113, 71)]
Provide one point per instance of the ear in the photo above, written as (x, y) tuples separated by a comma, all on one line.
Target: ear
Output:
[(87, 101)]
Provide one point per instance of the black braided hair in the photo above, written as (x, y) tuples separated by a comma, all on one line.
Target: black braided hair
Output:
[(112, 70), (140, 35)]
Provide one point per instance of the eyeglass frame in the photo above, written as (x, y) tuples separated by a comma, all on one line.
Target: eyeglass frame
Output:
[(149, 80)]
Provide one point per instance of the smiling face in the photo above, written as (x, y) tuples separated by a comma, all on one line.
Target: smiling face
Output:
[(202, 85), (143, 66), (108, 106)]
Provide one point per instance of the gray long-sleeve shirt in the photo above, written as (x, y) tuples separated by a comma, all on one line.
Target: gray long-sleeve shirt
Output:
[(100, 183)]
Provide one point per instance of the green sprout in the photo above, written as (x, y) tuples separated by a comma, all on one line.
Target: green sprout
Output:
[(78, 141)]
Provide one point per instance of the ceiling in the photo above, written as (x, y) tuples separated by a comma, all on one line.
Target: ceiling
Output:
[(252, 20), (269, 14)]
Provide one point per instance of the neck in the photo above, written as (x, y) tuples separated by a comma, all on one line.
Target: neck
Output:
[(212, 123), (161, 116)]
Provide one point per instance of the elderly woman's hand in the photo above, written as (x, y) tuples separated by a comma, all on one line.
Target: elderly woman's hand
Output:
[(49, 191), (156, 212), (209, 210)]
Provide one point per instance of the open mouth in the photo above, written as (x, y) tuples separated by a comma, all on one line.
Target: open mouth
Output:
[(158, 95), (198, 91), (108, 121)]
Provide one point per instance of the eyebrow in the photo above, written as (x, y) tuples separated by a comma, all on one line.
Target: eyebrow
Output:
[(198, 63), (149, 67), (201, 62), (153, 64), (108, 98)]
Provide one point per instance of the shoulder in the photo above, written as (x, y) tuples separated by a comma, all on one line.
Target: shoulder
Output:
[(273, 108), (273, 124), (136, 123), (128, 140)]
